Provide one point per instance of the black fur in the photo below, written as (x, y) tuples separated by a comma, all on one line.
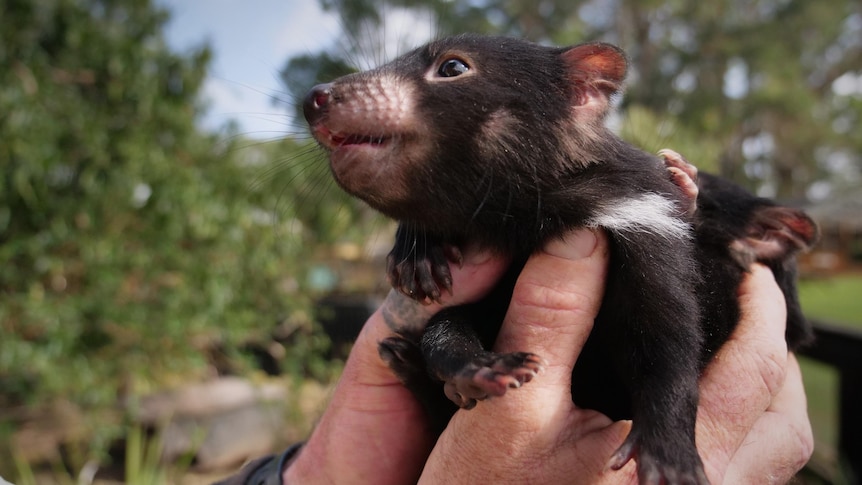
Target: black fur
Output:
[(515, 153)]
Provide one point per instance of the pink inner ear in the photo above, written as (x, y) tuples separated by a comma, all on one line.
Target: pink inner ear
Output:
[(793, 224), (806, 229), (599, 65), (775, 233)]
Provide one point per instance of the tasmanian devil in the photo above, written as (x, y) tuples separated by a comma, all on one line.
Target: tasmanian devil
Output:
[(501, 143)]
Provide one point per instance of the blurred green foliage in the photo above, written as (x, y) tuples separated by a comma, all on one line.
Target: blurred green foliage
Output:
[(132, 245)]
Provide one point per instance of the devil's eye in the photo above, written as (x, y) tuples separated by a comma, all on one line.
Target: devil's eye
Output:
[(452, 68)]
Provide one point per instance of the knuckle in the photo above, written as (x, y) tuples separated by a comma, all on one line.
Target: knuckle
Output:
[(553, 305), (771, 365), (805, 442)]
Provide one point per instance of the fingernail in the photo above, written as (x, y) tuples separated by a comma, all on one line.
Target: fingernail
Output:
[(577, 244)]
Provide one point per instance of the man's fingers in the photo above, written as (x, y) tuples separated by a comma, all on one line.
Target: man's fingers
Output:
[(556, 299), (747, 372), (780, 442)]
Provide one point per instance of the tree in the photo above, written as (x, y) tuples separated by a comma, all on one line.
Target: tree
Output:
[(730, 71), (131, 244)]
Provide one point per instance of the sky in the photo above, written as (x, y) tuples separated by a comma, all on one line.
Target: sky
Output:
[(251, 41)]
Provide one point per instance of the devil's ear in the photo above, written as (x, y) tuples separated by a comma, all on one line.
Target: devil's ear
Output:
[(596, 72), (775, 233), (598, 65)]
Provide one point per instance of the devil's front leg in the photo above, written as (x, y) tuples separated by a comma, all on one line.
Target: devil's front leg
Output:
[(418, 264), (655, 321), (450, 354), (455, 355), (403, 355)]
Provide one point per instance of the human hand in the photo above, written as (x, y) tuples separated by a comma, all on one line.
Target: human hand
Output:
[(374, 430), (536, 434), (752, 424)]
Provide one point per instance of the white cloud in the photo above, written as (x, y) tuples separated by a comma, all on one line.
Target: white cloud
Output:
[(305, 30), (848, 84)]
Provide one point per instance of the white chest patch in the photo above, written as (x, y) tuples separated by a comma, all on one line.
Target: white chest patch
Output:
[(649, 213)]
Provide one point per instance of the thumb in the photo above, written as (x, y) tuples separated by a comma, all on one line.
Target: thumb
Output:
[(555, 301)]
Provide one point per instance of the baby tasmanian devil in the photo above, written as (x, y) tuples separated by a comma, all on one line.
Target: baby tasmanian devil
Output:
[(501, 143)]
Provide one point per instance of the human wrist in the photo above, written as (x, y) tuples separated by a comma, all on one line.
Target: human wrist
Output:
[(272, 473), (372, 427)]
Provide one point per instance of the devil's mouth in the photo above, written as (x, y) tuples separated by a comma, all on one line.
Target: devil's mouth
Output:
[(350, 140), (334, 140)]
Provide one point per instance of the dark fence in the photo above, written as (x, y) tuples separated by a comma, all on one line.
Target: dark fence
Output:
[(841, 348)]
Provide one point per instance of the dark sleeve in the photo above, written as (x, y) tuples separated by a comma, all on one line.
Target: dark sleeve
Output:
[(263, 471)]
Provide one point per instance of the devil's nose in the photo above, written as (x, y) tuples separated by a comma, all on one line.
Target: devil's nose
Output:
[(316, 101)]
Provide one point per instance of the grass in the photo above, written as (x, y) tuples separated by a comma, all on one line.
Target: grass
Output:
[(837, 300), (143, 466)]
